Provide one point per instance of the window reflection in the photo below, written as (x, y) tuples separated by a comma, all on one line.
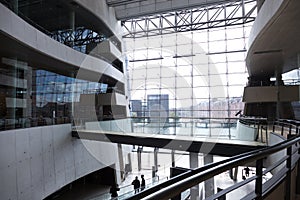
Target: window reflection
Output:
[(30, 96)]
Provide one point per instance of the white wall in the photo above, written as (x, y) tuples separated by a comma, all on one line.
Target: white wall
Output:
[(267, 12), (27, 35), (272, 159), (245, 132), (35, 162)]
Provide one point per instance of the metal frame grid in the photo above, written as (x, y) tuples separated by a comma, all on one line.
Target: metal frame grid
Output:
[(214, 16), (78, 38)]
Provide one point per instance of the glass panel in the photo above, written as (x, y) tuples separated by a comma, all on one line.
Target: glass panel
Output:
[(217, 34), (183, 50), (218, 58), (236, 45), (221, 68), (200, 81), (209, 75), (237, 67), (236, 91), (218, 92), (168, 82), (200, 36), (219, 104), (218, 80), (237, 79), (218, 46), (183, 38)]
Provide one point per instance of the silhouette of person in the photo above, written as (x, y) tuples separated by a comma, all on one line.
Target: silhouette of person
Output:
[(143, 183), (114, 190), (136, 185), (247, 171)]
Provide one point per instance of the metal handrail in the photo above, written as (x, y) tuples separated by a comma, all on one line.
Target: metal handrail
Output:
[(180, 183), (192, 172), (186, 183)]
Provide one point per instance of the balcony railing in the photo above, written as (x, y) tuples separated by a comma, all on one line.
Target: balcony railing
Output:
[(287, 165)]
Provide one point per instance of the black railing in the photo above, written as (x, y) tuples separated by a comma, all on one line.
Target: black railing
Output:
[(178, 184)]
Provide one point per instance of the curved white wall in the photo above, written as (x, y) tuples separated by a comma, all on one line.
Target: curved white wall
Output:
[(104, 13), (25, 34), (35, 162), (275, 138), (264, 18), (245, 132)]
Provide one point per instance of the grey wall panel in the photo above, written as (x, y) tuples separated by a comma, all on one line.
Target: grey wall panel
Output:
[(8, 166), (35, 162), (48, 160), (36, 158)]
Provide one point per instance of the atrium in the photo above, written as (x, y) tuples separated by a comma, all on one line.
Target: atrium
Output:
[(201, 97)]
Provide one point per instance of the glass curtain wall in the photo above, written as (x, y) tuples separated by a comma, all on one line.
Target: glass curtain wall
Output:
[(31, 96), (188, 77)]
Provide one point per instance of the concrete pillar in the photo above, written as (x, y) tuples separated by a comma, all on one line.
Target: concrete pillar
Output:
[(139, 157), (155, 159), (129, 162), (72, 26), (194, 164), (173, 158), (277, 83), (121, 161), (209, 184), (235, 174)]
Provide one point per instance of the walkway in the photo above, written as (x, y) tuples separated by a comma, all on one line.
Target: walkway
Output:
[(214, 146)]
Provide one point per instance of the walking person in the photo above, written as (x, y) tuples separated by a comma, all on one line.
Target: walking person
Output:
[(114, 191), (143, 183), (136, 185)]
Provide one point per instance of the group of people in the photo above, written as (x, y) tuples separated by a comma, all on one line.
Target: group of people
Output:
[(138, 185)]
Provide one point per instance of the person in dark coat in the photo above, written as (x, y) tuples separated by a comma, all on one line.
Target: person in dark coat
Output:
[(143, 183), (114, 190), (136, 185)]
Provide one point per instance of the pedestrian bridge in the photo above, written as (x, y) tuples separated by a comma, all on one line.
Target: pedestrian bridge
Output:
[(213, 140)]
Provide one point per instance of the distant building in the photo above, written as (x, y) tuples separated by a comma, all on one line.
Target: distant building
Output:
[(158, 106), (136, 107)]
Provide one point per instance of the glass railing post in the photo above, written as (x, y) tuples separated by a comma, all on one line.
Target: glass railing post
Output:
[(258, 181)]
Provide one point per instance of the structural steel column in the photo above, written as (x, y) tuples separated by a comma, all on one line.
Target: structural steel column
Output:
[(72, 26), (277, 83), (194, 164), (209, 184)]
